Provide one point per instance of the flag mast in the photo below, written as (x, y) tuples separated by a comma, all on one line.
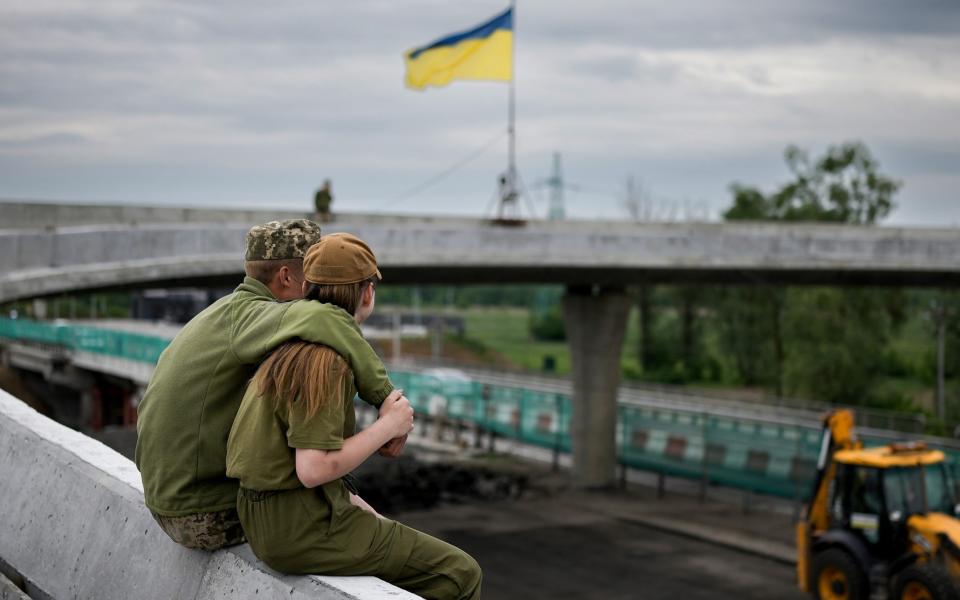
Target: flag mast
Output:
[(512, 110), (508, 181)]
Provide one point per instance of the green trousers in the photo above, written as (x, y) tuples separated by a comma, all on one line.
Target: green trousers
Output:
[(317, 531)]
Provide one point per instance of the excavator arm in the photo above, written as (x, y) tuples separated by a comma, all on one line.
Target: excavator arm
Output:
[(838, 434)]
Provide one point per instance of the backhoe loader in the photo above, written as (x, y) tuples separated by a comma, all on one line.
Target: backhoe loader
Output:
[(880, 521)]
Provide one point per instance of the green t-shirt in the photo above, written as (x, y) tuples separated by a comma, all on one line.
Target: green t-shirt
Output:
[(194, 393), (265, 434)]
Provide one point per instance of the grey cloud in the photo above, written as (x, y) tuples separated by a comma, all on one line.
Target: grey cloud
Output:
[(686, 24), (53, 139), (624, 66), (914, 157), (239, 101)]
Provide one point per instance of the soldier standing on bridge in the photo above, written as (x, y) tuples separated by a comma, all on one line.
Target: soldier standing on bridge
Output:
[(322, 201), (195, 391)]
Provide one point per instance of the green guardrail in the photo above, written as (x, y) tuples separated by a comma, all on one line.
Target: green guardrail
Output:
[(80, 338), (734, 451)]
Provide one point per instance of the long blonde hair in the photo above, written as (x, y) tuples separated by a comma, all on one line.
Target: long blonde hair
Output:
[(305, 372), (308, 372)]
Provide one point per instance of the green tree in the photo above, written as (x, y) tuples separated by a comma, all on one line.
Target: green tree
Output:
[(748, 322), (813, 342), (548, 325), (834, 340), (842, 186), (646, 350)]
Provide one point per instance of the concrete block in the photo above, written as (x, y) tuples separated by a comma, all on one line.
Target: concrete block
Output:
[(74, 525)]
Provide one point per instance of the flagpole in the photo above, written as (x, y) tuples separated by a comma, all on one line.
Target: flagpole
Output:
[(511, 109)]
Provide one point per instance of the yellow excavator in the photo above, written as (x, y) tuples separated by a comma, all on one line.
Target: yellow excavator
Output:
[(880, 521)]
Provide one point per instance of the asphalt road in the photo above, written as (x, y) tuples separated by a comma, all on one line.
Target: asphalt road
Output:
[(546, 549)]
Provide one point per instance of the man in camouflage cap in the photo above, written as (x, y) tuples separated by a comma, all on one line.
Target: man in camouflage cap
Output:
[(194, 393), (274, 255)]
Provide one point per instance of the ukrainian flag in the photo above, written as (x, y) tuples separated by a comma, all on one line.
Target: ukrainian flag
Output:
[(484, 52)]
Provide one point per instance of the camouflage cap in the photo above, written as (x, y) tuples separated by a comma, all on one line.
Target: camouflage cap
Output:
[(278, 240)]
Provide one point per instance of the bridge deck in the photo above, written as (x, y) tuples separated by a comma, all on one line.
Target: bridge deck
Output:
[(204, 249)]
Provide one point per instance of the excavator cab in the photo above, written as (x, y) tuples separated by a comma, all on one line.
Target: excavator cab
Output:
[(879, 520)]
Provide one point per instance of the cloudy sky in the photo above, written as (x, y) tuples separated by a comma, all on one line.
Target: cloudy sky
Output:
[(242, 103)]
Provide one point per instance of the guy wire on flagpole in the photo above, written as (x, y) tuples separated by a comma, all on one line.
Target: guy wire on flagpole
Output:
[(445, 172)]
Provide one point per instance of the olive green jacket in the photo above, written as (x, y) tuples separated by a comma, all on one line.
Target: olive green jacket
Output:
[(190, 403)]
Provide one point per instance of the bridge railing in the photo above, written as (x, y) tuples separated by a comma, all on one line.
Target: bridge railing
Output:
[(672, 396), (764, 453), (81, 338)]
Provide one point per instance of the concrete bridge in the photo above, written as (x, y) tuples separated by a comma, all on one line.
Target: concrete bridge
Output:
[(52, 249)]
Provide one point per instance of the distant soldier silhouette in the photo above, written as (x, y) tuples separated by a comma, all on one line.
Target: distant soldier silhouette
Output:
[(322, 201)]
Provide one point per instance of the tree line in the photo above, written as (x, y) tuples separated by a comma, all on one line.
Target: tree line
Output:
[(830, 344)]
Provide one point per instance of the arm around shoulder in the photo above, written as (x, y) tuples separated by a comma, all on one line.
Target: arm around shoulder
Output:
[(332, 326)]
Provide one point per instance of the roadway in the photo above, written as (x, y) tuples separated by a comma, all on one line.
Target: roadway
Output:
[(568, 545)]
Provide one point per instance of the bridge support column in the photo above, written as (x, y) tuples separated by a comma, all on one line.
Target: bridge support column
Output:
[(595, 318)]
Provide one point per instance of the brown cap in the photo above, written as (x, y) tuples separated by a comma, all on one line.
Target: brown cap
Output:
[(279, 240), (339, 258)]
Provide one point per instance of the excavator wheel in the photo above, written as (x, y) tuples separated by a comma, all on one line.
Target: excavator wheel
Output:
[(837, 576), (924, 582)]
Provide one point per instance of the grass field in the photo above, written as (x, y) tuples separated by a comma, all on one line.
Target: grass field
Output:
[(507, 331)]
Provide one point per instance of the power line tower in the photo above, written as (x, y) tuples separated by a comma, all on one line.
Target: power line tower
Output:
[(556, 211)]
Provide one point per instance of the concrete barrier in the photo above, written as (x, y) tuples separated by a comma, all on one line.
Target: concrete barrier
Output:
[(27, 214), (206, 248), (73, 525)]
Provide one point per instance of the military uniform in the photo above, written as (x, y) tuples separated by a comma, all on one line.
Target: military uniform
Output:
[(191, 399), (322, 201), (317, 530)]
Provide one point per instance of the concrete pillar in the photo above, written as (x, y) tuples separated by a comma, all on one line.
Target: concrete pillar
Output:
[(595, 318)]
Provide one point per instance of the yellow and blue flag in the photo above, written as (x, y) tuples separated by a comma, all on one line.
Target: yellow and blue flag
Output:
[(484, 52)]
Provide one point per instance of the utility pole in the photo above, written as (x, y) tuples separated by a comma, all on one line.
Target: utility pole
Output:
[(631, 203), (555, 183), (940, 314)]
